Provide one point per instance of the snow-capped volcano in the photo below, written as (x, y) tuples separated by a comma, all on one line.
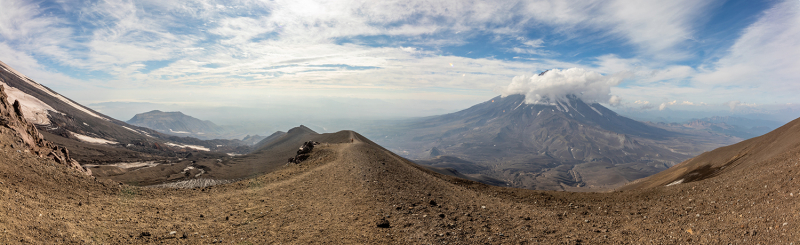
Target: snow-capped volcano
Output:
[(560, 145)]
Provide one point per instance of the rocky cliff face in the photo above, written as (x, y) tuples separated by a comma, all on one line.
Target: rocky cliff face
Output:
[(27, 138)]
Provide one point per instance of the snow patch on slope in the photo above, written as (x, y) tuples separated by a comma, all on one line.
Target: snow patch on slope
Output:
[(130, 129), (178, 132), (560, 106), (675, 182), (196, 147), (33, 109), (520, 104), (51, 93), (126, 165), (137, 131), (90, 139), (595, 110)]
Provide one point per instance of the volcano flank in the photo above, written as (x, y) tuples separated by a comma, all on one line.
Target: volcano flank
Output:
[(565, 145), (351, 190)]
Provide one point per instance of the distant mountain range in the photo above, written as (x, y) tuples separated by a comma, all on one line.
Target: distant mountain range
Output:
[(179, 124), (96, 138), (351, 190), (744, 128), (564, 145), (174, 123)]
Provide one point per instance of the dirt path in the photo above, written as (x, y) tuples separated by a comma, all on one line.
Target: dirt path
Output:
[(344, 191)]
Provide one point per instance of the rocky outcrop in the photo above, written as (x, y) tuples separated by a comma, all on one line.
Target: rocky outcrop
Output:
[(13, 122), (435, 152), (303, 152)]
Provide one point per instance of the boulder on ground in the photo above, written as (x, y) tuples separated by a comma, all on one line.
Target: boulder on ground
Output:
[(303, 152)]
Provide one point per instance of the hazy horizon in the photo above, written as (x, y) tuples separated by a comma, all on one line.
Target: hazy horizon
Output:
[(319, 120)]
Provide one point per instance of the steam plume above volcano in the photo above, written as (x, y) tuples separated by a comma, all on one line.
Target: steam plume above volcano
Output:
[(555, 85)]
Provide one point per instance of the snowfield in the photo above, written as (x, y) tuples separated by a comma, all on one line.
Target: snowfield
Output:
[(33, 109), (51, 93), (196, 147), (178, 132), (90, 139)]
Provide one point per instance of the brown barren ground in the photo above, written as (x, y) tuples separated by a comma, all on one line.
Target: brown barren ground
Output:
[(345, 191)]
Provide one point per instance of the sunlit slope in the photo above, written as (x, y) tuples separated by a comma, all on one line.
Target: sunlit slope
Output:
[(351, 190), (360, 193), (748, 155), (62, 116), (92, 136)]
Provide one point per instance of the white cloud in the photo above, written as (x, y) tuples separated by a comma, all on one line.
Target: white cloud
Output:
[(614, 100), (130, 32), (534, 43), (732, 104), (644, 72), (531, 47), (643, 104), (656, 26), (23, 21), (25, 27), (323, 44), (760, 67), (736, 104), (763, 60), (242, 29), (30, 67), (556, 85), (116, 53), (23, 62), (665, 104)]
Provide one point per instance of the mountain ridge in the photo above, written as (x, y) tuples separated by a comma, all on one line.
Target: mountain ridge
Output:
[(175, 123), (94, 137), (564, 145), (727, 159), (354, 191), (351, 190)]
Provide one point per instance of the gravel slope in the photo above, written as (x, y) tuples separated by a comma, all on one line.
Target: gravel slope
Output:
[(345, 191)]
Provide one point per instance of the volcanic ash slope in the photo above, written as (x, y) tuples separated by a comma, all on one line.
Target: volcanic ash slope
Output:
[(360, 193)]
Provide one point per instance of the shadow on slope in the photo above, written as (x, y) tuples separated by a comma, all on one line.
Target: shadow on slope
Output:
[(360, 193), (748, 154)]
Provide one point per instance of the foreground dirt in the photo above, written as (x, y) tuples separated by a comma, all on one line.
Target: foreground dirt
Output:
[(348, 192)]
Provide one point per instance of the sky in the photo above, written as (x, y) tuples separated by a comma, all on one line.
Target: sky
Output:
[(389, 59)]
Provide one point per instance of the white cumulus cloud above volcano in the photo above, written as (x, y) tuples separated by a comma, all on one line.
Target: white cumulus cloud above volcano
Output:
[(555, 85)]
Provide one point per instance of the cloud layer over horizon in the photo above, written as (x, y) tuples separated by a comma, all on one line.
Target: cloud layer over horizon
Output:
[(682, 54)]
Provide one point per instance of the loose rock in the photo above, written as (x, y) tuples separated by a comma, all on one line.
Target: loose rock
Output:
[(383, 223)]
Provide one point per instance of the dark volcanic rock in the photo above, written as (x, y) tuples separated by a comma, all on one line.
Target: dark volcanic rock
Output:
[(435, 152), (383, 223), (13, 122), (303, 152)]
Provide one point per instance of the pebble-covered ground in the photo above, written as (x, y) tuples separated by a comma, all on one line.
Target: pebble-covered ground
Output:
[(360, 193)]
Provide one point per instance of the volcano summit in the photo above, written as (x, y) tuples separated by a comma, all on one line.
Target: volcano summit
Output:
[(562, 145)]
